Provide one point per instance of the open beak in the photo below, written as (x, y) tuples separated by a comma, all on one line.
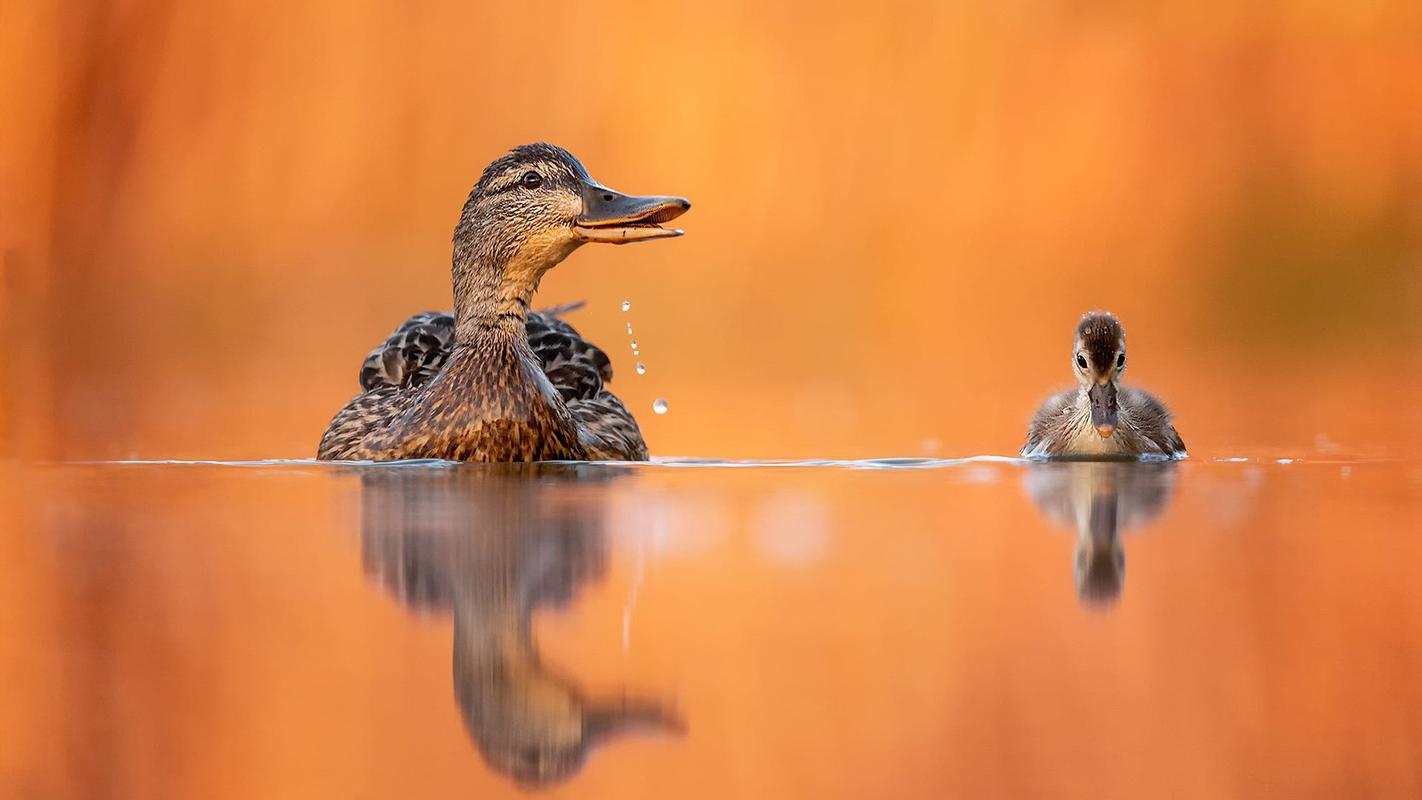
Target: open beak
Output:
[(618, 218), (1103, 408)]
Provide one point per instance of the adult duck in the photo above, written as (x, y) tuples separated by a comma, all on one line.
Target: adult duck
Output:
[(494, 381)]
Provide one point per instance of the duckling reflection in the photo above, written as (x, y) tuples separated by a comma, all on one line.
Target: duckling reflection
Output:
[(1100, 500), (495, 543)]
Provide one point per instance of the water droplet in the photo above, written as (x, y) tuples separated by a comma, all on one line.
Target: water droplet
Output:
[(629, 329), (626, 305), (641, 368), (659, 405), (634, 345)]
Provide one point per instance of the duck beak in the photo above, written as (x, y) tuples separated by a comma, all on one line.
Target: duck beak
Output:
[(1103, 408), (618, 218)]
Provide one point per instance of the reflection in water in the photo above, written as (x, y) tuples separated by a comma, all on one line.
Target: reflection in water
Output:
[(494, 543), (1100, 500)]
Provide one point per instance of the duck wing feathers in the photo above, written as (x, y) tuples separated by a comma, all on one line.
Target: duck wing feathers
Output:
[(412, 355), (417, 350)]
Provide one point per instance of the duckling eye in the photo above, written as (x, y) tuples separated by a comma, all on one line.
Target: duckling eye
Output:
[(1120, 361), (532, 180), (1081, 361)]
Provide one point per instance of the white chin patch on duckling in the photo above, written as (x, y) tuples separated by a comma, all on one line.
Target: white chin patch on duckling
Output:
[(624, 234)]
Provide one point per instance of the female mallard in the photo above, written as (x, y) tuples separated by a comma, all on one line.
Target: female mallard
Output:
[(1100, 417), (494, 381)]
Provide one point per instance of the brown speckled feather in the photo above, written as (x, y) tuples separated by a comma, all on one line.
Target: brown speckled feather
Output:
[(399, 370), (417, 350)]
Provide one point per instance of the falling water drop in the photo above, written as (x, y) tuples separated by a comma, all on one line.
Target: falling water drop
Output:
[(659, 405)]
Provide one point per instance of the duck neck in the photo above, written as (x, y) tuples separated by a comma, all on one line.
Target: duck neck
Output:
[(493, 285)]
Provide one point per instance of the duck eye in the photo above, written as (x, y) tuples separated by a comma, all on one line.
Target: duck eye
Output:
[(1120, 361), (532, 180), (1081, 361)]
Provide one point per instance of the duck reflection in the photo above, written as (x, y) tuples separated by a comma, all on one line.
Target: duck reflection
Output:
[(494, 543), (1100, 500)]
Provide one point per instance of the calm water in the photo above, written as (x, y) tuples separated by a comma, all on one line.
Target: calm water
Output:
[(982, 628)]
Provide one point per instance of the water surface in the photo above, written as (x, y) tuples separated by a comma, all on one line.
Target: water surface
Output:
[(897, 628)]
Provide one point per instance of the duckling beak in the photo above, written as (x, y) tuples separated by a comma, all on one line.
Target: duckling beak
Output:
[(1103, 407), (618, 218)]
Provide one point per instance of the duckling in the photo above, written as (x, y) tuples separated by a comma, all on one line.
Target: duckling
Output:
[(493, 381), (1100, 417)]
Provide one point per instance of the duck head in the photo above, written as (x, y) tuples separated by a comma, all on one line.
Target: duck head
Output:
[(1098, 359), (539, 201), (530, 209)]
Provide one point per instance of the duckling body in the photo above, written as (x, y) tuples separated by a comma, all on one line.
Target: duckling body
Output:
[(1062, 427), (1100, 417), (493, 381)]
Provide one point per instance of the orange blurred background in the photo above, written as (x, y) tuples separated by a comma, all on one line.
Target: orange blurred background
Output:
[(211, 211)]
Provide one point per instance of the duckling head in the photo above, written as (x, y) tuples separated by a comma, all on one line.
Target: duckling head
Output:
[(1098, 359), (536, 204)]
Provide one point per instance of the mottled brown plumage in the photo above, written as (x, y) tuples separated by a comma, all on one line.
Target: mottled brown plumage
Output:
[(492, 381), (1100, 417)]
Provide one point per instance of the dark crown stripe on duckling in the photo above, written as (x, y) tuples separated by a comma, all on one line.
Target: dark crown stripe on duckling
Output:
[(1101, 335)]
